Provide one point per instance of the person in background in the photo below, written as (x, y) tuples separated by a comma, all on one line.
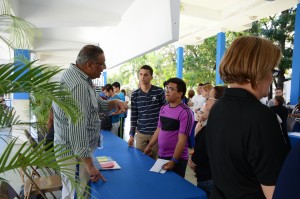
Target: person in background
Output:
[(145, 105), (127, 101), (174, 127), (244, 142), (205, 90), (283, 113), (278, 92), (195, 104), (102, 93), (117, 86), (199, 161), (296, 115), (191, 94), (115, 119), (50, 130), (80, 139)]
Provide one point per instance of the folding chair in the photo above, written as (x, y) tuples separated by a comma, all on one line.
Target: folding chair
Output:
[(37, 184), (35, 144)]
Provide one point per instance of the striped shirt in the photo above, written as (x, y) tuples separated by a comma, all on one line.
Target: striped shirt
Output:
[(83, 137), (145, 109)]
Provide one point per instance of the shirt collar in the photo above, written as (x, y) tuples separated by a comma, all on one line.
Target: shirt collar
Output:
[(82, 74), (239, 92)]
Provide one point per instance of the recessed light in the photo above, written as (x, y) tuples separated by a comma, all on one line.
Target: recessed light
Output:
[(253, 18)]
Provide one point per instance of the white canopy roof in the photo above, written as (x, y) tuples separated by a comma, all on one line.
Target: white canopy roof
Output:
[(126, 29)]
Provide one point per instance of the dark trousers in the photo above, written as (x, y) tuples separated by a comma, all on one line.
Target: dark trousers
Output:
[(180, 167)]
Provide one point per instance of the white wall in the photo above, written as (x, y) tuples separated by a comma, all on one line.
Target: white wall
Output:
[(146, 26)]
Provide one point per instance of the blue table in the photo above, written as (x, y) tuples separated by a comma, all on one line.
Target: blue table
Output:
[(294, 138), (134, 180)]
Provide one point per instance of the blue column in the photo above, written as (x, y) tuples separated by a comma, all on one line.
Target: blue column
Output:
[(295, 87), (104, 78), (219, 55), (179, 64), (26, 54)]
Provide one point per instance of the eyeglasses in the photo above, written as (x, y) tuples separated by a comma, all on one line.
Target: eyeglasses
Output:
[(275, 73), (170, 89)]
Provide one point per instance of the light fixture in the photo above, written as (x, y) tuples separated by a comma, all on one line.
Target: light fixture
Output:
[(253, 18)]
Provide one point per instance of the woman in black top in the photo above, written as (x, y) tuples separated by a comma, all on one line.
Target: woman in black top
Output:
[(243, 139), (199, 161)]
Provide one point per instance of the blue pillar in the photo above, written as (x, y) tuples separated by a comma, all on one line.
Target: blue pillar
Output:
[(179, 65), (26, 54), (295, 87), (104, 78), (219, 55)]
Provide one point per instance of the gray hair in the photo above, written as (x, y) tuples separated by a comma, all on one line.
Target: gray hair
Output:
[(88, 53)]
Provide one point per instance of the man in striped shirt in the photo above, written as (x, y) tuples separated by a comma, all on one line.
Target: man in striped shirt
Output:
[(81, 138), (145, 105)]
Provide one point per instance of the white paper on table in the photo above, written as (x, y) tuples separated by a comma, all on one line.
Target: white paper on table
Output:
[(157, 167)]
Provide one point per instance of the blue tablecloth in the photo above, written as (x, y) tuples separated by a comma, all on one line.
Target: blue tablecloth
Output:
[(134, 180), (294, 138)]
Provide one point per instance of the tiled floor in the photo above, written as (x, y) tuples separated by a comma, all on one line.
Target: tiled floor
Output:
[(14, 179)]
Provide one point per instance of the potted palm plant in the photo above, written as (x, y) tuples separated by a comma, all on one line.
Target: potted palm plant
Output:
[(19, 34)]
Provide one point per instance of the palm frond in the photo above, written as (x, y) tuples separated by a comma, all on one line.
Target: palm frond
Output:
[(35, 80), (8, 117), (17, 33), (37, 156)]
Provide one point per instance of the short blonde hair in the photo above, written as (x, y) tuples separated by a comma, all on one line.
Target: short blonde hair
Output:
[(249, 59), (207, 87)]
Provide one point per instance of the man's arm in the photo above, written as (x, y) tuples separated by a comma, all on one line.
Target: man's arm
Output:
[(119, 105), (153, 140), (95, 174), (78, 142)]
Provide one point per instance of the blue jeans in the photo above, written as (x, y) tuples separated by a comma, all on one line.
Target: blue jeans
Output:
[(206, 186)]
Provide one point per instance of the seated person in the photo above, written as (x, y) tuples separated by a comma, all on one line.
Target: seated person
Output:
[(282, 112)]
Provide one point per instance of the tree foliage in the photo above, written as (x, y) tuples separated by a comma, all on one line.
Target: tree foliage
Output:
[(199, 60), (279, 29)]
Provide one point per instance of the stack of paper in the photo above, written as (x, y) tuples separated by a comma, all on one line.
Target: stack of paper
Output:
[(107, 163)]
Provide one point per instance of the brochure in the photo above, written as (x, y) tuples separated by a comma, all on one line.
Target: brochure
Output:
[(105, 163)]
